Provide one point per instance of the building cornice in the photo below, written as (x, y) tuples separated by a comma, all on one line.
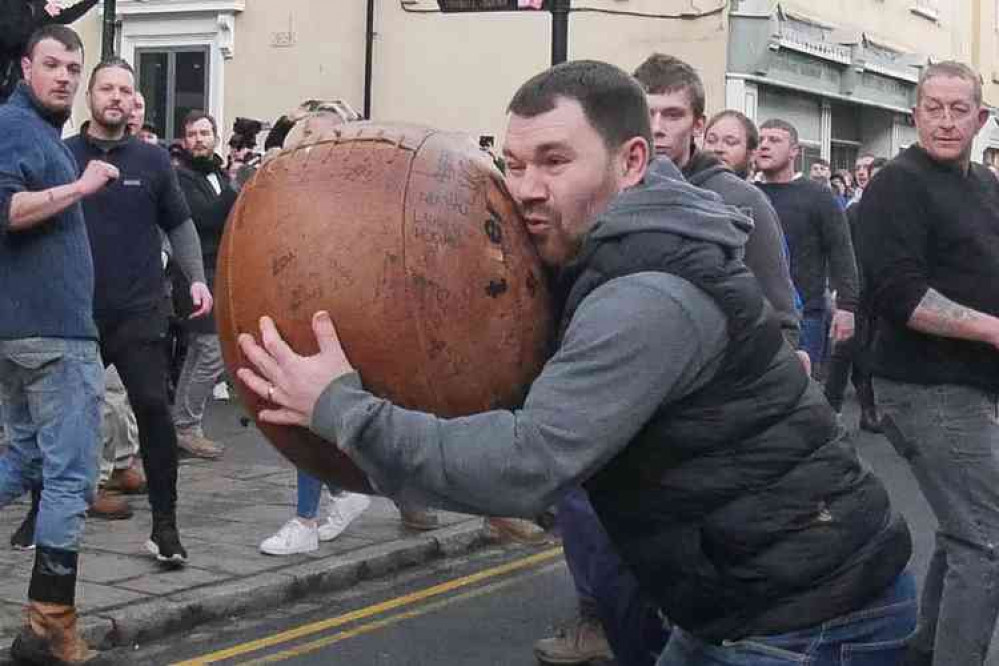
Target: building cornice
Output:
[(136, 8)]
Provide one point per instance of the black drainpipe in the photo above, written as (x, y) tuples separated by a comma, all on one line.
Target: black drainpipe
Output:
[(369, 44)]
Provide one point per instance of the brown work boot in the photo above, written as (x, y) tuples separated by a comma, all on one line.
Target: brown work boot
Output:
[(516, 530), (50, 636), (109, 507), (418, 518), (192, 443), (128, 481), (580, 643)]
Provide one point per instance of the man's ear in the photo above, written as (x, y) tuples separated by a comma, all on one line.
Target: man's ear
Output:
[(26, 68), (634, 161), (699, 124)]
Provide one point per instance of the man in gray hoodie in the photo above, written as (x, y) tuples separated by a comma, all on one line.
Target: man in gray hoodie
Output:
[(676, 99), (710, 457)]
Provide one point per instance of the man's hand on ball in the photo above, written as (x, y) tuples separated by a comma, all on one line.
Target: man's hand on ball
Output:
[(290, 382)]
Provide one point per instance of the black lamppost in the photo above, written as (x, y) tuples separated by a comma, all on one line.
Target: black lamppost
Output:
[(560, 30), (560, 18), (107, 34)]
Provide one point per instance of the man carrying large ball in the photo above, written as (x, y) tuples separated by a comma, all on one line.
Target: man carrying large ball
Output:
[(711, 458)]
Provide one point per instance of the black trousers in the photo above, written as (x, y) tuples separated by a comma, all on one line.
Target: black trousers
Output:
[(135, 343), (852, 354)]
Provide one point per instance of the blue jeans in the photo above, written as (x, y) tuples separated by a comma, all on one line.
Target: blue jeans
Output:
[(875, 635), (815, 335), (950, 437), (606, 587), (51, 393), (310, 491)]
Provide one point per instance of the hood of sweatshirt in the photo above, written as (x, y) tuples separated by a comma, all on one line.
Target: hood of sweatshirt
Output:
[(666, 202)]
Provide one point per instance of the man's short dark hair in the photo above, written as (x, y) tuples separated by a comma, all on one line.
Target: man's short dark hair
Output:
[(777, 123), (661, 74), (821, 161), (612, 101), (60, 33), (109, 63), (752, 134), (198, 114)]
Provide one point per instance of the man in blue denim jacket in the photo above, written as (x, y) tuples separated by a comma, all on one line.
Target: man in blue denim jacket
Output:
[(51, 377)]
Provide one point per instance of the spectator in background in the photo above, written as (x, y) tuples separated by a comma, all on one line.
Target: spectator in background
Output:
[(733, 137), (18, 20), (838, 184), (209, 195), (148, 134), (853, 354), (819, 172), (861, 175), (817, 236)]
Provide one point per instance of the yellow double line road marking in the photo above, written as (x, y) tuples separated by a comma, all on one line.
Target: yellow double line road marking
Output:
[(371, 611)]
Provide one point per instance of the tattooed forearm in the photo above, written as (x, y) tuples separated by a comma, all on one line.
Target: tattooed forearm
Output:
[(938, 315)]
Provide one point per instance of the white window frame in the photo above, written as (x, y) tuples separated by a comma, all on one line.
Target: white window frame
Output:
[(167, 24)]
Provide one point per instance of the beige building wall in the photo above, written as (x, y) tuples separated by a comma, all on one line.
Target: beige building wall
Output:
[(458, 71), (455, 71)]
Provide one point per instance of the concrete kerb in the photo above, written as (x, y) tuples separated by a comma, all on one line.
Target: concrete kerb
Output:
[(145, 621)]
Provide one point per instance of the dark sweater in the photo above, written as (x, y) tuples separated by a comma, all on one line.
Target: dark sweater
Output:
[(46, 272), (124, 219), (765, 254), (926, 225), (819, 241), (20, 18)]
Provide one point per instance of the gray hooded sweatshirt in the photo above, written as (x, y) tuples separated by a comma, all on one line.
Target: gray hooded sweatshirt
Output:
[(633, 344)]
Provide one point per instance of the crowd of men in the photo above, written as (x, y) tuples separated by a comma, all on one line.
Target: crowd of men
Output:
[(711, 506)]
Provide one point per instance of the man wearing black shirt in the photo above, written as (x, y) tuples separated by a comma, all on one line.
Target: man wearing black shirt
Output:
[(124, 224), (929, 245), (817, 236)]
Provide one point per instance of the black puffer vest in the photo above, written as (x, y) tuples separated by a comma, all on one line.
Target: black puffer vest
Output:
[(737, 508)]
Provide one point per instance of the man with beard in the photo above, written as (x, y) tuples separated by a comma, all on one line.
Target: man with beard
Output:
[(128, 295), (18, 20), (50, 373), (607, 591), (709, 456), (210, 198)]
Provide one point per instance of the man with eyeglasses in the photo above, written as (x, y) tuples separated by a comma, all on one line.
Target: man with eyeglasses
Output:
[(928, 240)]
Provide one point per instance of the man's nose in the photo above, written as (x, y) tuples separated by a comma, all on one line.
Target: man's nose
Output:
[(531, 186)]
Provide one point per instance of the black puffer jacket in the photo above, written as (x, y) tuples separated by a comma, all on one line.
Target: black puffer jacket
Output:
[(18, 20), (737, 508)]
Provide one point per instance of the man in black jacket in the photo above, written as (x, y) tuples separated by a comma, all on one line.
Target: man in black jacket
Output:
[(710, 457), (210, 197), (129, 286), (929, 244), (18, 20)]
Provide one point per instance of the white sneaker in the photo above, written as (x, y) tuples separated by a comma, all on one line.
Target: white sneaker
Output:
[(293, 537), (344, 509), (220, 391)]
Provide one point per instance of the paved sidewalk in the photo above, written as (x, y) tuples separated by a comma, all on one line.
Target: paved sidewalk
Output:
[(226, 508)]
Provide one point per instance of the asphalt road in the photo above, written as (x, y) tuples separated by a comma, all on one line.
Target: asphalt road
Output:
[(485, 609)]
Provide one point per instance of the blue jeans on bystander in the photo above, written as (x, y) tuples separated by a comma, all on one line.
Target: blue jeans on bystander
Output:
[(51, 391)]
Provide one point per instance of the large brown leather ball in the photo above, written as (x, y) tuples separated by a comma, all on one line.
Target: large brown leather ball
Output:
[(407, 236)]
